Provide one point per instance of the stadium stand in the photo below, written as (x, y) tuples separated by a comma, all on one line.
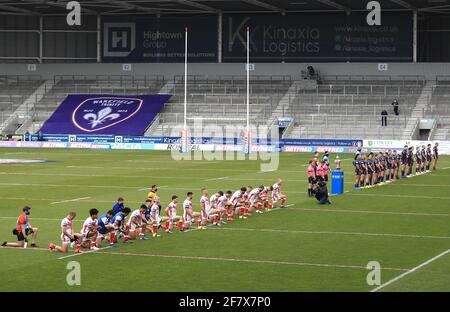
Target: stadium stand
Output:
[(339, 106), (221, 100), (439, 108), (350, 106), (14, 90), (101, 84)]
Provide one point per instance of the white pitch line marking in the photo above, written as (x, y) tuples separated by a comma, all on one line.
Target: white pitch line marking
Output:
[(213, 179), (69, 200), (245, 260), (410, 271), (83, 253), (373, 212), (334, 233)]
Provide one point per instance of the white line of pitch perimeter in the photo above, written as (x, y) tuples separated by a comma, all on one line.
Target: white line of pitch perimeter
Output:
[(410, 271), (69, 200), (334, 233)]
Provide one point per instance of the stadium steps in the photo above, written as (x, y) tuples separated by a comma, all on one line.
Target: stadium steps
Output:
[(23, 113), (419, 110), (441, 134), (290, 96)]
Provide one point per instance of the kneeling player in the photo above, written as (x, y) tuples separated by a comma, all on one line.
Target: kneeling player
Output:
[(89, 230), (120, 227), (276, 195), (207, 213), (68, 237), (104, 226), (224, 205), (136, 223), (171, 212), (155, 217), (237, 202), (255, 201), (188, 213)]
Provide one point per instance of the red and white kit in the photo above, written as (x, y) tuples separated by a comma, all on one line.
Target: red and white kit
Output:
[(205, 207), (65, 239), (187, 209), (135, 220), (89, 226), (172, 211)]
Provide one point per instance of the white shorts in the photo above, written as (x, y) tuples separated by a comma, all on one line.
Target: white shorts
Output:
[(65, 240), (187, 218), (133, 226), (276, 197), (157, 220)]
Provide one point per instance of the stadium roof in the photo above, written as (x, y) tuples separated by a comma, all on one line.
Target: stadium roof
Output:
[(120, 7)]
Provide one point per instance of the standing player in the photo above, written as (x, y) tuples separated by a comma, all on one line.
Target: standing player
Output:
[(435, 155), (363, 171), (404, 159), (171, 212), (424, 158), (410, 161), (397, 165), (418, 157), (277, 195), (429, 157), (370, 170), (89, 230), (67, 235), (356, 164), (152, 194)]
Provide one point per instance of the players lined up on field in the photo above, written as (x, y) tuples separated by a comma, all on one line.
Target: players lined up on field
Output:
[(385, 167), (122, 223)]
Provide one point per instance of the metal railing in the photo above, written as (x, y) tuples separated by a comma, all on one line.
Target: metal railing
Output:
[(403, 79), (111, 78), (232, 78), (359, 89)]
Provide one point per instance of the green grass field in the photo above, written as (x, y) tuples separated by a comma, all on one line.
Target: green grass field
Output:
[(305, 247)]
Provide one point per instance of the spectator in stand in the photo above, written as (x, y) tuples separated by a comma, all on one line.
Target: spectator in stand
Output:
[(395, 105), (384, 115)]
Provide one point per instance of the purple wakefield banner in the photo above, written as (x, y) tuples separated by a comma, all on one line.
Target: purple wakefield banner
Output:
[(105, 114)]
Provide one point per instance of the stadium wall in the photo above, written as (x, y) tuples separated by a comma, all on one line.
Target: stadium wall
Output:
[(48, 71), (112, 142)]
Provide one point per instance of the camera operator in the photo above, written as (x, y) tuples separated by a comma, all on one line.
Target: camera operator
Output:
[(320, 191)]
